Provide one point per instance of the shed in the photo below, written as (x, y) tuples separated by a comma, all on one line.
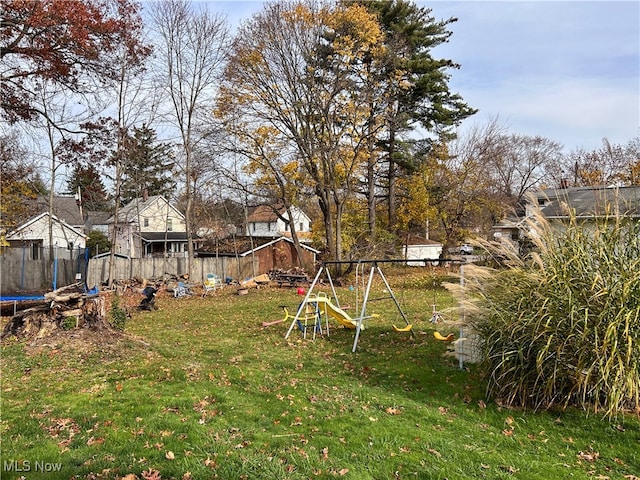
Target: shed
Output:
[(278, 253), (419, 248)]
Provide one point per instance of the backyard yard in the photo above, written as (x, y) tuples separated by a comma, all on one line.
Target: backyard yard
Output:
[(199, 389)]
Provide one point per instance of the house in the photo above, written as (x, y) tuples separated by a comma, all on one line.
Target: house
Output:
[(66, 208), (267, 221), (147, 227), (587, 202), (67, 232), (97, 220), (34, 234), (557, 206), (418, 249), (276, 253)]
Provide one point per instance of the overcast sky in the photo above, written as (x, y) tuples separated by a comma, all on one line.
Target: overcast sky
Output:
[(568, 71)]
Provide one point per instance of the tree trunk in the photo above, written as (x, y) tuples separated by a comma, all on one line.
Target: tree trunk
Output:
[(67, 308)]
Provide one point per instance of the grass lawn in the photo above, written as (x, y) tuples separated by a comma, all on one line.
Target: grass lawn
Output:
[(199, 390)]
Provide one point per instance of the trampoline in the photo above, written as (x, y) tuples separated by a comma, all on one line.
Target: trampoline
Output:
[(9, 301)]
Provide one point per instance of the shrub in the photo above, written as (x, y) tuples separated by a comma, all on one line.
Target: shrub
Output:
[(562, 326), (118, 315)]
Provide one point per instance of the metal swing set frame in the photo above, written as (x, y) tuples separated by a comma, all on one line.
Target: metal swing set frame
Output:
[(362, 315)]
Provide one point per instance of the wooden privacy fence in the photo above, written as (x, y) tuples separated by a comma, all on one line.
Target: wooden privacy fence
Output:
[(41, 275), (30, 269), (156, 267)]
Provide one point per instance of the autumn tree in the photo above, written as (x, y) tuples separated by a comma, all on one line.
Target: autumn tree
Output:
[(299, 70), (274, 175), (66, 43), (20, 182), (191, 50)]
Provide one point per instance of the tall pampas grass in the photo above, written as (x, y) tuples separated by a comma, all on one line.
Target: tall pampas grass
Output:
[(562, 326)]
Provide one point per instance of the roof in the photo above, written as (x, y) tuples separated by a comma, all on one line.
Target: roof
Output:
[(65, 208), (96, 217), (158, 237), (243, 246), (263, 213), (108, 254), (415, 240), (590, 201), (267, 213), (37, 218), (137, 206)]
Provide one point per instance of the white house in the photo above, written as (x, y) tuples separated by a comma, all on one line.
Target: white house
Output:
[(149, 226), (266, 221), (34, 234), (417, 249)]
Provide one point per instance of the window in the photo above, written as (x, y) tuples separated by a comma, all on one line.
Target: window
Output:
[(146, 221), (286, 227), (35, 251), (169, 224), (253, 227), (301, 227)]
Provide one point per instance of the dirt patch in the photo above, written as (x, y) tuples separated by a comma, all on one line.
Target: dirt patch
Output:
[(84, 342)]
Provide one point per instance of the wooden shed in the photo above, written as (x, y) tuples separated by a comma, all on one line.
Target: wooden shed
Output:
[(278, 253)]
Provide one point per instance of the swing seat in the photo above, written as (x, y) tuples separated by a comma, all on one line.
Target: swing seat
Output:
[(402, 329), (438, 336)]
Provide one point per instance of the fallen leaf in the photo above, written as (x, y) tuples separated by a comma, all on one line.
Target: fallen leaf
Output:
[(393, 411), (588, 456), (95, 441), (343, 471), (151, 475), (169, 455)]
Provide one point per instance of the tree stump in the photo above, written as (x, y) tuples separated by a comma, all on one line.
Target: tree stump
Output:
[(67, 308)]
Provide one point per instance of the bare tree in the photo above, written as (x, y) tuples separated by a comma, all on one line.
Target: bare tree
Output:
[(191, 48), (610, 164)]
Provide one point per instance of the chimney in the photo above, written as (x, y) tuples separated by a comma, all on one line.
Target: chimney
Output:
[(145, 195)]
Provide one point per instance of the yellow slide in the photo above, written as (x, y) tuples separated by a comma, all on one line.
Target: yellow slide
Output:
[(325, 305)]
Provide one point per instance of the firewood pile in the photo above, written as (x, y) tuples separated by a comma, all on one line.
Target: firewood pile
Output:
[(66, 308), (292, 277)]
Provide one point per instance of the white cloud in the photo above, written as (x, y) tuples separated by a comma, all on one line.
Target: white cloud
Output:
[(566, 70), (575, 113)]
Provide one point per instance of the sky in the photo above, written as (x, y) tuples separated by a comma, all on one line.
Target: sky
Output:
[(565, 70)]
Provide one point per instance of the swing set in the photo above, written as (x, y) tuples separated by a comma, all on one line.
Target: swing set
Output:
[(330, 307)]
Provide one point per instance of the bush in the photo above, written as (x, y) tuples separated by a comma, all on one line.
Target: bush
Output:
[(118, 316), (562, 327)]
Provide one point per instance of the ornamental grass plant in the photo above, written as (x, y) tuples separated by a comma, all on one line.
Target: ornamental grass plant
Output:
[(561, 326)]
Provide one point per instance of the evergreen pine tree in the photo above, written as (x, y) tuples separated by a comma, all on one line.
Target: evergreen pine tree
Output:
[(92, 189), (148, 166)]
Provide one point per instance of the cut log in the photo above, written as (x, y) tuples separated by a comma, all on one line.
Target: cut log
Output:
[(40, 321)]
